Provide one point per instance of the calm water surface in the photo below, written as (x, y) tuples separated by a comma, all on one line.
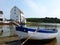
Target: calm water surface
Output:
[(8, 30), (58, 36)]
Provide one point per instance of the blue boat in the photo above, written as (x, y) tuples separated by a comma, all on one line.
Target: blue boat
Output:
[(37, 34)]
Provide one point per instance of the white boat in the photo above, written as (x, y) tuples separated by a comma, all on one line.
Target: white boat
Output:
[(39, 34), (21, 32), (22, 35), (42, 35)]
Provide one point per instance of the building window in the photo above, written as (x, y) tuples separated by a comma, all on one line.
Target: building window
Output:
[(1, 12), (1, 19), (14, 12), (16, 16), (16, 19), (14, 9)]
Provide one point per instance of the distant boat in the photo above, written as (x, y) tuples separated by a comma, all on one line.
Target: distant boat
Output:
[(39, 34)]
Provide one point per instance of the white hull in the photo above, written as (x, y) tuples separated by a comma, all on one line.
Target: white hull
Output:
[(38, 35), (22, 35)]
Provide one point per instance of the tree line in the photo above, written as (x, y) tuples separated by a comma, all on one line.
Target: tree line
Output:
[(44, 20)]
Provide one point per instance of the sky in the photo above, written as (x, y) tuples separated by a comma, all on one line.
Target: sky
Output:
[(32, 8)]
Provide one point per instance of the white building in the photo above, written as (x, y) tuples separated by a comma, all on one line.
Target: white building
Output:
[(17, 15)]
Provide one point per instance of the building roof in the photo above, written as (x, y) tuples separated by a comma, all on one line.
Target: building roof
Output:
[(18, 9)]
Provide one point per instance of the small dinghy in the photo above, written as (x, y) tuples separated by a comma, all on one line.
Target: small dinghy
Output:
[(36, 33), (21, 32), (42, 33)]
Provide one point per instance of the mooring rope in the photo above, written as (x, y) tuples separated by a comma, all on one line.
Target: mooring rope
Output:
[(28, 38)]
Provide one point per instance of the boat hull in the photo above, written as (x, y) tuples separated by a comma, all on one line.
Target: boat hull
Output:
[(39, 35), (21, 34)]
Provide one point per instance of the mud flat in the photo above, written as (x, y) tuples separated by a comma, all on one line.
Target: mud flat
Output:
[(41, 42), (6, 40)]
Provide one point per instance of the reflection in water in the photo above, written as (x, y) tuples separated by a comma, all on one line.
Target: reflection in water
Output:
[(58, 36), (8, 30)]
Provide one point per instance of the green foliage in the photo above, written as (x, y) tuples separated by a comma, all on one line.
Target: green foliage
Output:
[(45, 20)]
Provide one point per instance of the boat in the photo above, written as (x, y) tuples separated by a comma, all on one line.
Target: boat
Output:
[(21, 32), (37, 34)]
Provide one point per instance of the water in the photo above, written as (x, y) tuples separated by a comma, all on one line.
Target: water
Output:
[(58, 36), (8, 30)]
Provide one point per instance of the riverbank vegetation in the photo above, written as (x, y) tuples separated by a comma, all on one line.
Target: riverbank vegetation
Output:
[(43, 20)]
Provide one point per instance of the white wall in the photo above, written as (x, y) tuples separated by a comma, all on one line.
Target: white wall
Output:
[(1, 15), (23, 19), (15, 15)]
